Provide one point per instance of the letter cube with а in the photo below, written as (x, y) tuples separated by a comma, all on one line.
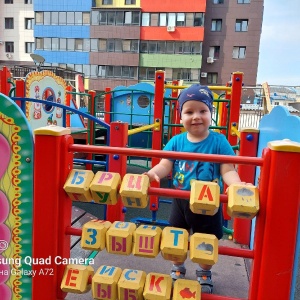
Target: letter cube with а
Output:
[(157, 287), (186, 289), (77, 185), (205, 197), (134, 190), (104, 187), (243, 201)]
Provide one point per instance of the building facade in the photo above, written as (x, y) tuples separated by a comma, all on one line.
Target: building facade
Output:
[(123, 42)]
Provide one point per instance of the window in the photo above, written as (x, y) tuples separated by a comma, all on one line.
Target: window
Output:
[(55, 44), (239, 52), (216, 25), (78, 44), (95, 17), (132, 17), (54, 18), (243, 1), (9, 47), (39, 43), (62, 18), (130, 2), (63, 44), (8, 2), (70, 18), (39, 18), (29, 23), (198, 19), (28, 2), (9, 23), (145, 19), (218, 1), (214, 51), (241, 25), (107, 2), (212, 78), (180, 20)]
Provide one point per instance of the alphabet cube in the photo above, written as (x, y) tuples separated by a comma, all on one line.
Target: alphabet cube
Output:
[(205, 197), (157, 287), (186, 289), (104, 187), (134, 190)]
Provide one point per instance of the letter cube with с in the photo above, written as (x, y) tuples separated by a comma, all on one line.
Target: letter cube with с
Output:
[(104, 187), (77, 185), (205, 197)]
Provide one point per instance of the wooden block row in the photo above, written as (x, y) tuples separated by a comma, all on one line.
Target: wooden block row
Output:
[(111, 283)]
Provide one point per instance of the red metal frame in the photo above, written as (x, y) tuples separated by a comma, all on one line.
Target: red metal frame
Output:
[(107, 105)]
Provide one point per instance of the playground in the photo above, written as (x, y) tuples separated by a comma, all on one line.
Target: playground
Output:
[(74, 201)]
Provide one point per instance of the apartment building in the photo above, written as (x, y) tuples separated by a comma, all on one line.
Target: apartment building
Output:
[(123, 42)]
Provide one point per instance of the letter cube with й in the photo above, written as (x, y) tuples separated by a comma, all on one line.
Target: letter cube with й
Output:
[(104, 283), (93, 235), (104, 187), (243, 201), (77, 185), (174, 244), (134, 190), (146, 241), (131, 284), (76, 279), (157, 287), (119, 238), (205, 197), (204, 248), (186, 289)]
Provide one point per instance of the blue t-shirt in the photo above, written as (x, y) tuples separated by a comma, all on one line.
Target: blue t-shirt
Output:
[(184, 170)]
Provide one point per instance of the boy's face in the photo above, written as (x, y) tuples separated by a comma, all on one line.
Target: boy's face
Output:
[(196, 118)]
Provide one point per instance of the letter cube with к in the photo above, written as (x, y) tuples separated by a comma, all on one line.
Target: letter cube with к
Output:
[(204, 248), (157, 287), (78, 184), (119, 238), (104, 187), (174, 244), (186, 289), (146, 241), (131, 284), (205, 197), (93, 235), (134, 190), (76, 279), (243, 201), (104, 283)]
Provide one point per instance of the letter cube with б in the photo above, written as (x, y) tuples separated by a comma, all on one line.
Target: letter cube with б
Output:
[(204, 248), (94, 235), (104, 187), (186, 289), (243, 201), (157, 287), (205, 197), (77, 185), (134, 190), (75, 279)]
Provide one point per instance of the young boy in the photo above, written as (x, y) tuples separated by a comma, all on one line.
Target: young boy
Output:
[(195, 105)]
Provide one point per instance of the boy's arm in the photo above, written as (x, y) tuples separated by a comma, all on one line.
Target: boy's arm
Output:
[(161, 170), (229, 174)]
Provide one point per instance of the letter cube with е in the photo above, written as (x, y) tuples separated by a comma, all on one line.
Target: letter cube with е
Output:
[(104, 283), (157, 287), (131, 284), (243, 201), (77, 185), (186, 289), (174, 244), (204, 248), (205, 197), (94, 235), (104, 187), (76, 279), (134, 190)]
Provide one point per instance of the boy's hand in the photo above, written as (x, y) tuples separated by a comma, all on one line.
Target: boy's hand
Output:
[(152, 176), (241, 183)]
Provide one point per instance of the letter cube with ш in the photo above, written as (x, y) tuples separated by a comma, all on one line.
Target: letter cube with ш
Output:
[(93, 235), (134, 190), (243, 201), (205, 197), (77, 185), (104, 187), (76, 279)]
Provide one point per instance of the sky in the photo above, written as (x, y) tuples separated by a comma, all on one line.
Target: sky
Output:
[(279, 57)]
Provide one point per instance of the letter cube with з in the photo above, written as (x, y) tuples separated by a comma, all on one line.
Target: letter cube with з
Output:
[(174, 244), (94, 235), (77, 185), (243, 201), (104, 283), (104, 187), (186, 289), (157, 287), (76, 279), (119, 238), (131, 284), (146, 241), (134, 190), (204, 248), (205, 197)]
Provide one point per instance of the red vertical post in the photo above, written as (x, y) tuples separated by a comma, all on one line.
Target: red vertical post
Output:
[(107, 106), (248, 147), (68, 103), (52, 209), (118, 164), (175, 112), (20, 90)]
